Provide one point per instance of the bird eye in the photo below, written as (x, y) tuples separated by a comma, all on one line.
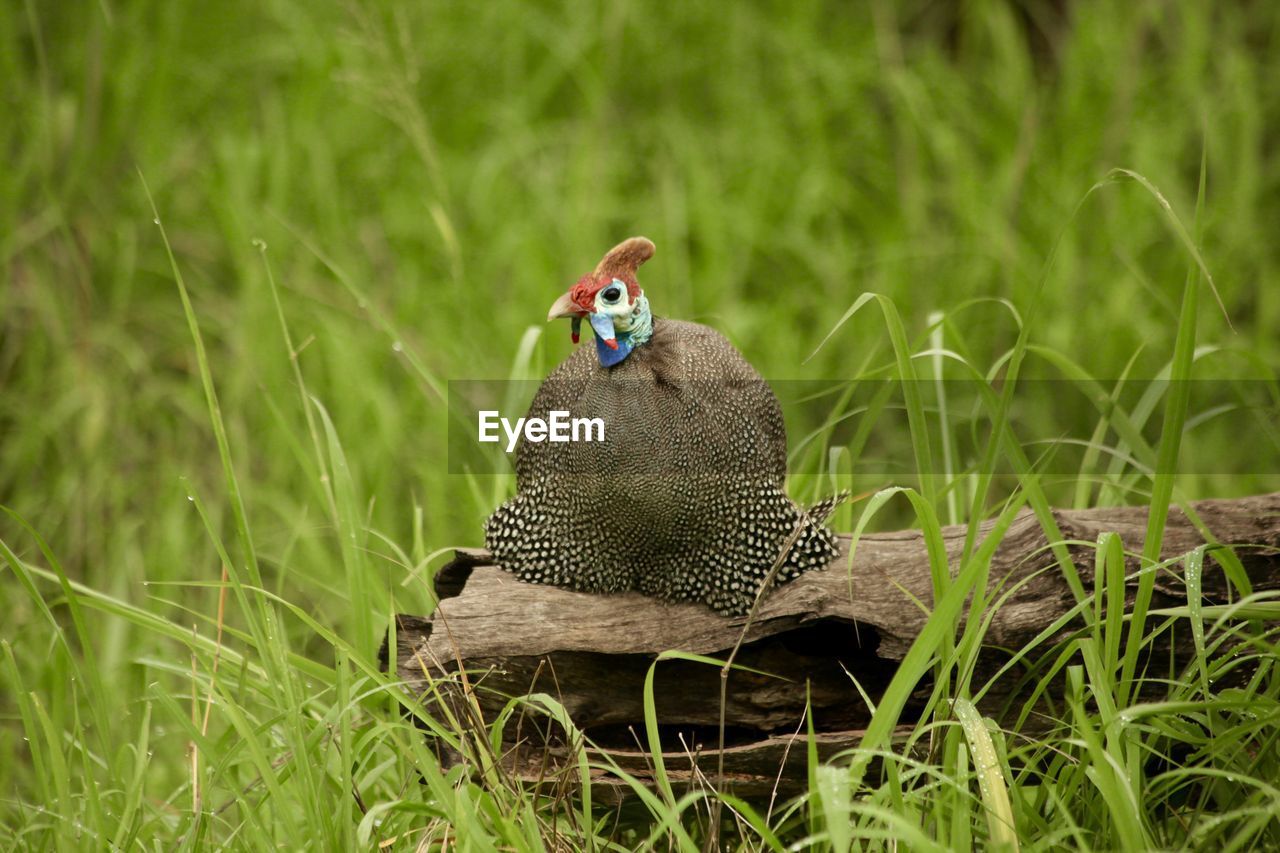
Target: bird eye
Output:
[(612, 293)]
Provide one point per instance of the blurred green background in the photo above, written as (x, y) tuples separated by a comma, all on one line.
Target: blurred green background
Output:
[(427, 177)]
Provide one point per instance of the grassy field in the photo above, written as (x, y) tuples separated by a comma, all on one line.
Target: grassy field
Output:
[(247, 245)]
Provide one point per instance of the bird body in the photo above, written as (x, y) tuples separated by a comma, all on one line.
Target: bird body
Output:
[(684, 499)]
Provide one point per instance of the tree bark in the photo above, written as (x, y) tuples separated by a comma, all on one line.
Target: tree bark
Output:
[(808, 642)]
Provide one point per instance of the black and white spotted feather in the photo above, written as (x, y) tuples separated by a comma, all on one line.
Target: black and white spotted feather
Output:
[(684, 498)]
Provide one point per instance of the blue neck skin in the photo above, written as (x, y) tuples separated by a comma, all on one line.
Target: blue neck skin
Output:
[(610, 357), (638, 329)]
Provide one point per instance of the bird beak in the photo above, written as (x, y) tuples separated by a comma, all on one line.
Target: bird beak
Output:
[(602, 323), (564, 307)]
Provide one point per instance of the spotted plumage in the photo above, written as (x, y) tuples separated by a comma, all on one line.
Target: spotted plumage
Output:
[(684, 499)]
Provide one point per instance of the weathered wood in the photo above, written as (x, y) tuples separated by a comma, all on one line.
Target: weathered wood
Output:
[(856, 618)]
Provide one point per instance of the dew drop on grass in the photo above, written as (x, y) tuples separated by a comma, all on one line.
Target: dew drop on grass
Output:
[(396, 346), (156, 220)]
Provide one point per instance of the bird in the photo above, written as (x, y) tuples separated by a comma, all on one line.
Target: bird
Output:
[(684, 498)]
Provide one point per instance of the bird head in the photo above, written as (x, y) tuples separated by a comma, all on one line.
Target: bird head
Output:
[(611, 300)]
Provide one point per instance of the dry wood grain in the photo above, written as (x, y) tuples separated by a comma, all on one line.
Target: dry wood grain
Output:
[(857, 617)]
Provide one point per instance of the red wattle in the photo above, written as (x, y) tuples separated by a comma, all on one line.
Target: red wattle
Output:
[(575, 336)]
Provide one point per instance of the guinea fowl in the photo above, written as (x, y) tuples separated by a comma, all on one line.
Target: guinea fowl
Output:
[(684, 498)]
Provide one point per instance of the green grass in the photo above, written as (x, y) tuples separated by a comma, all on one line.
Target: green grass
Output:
[(222, 418)]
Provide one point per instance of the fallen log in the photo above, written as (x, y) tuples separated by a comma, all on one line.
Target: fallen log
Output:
[(854, 619)]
